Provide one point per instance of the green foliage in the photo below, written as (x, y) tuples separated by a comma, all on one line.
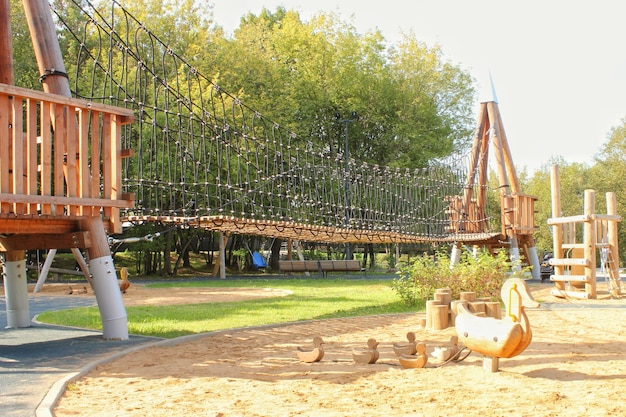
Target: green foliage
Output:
[(483, 273), (412, 105)]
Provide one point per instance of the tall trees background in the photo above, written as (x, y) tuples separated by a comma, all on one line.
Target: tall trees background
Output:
[(412, 104)]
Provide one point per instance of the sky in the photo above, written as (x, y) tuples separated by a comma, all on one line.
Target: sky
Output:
[(558, 67)]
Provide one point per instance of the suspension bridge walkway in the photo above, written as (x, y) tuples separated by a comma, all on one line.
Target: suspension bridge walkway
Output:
[(156, 141)]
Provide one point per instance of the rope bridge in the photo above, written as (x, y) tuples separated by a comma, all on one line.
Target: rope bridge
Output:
[(204, 159)]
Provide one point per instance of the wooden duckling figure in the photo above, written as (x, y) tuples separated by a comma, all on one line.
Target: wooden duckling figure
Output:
[(418, 360), (368, 355), (123, 283), (403, 348), (312, 355)]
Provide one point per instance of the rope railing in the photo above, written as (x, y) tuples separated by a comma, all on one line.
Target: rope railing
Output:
[(202, 154)]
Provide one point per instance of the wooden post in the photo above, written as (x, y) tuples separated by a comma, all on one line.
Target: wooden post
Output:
[(491, 363), (493, 309), (289, 248), (439, 316), (6, 46), (46, 46), (612, 237), (557, 229), (443, 295), (429, 313), (453, 310), (222, 260), (468, 296), (590, 244)]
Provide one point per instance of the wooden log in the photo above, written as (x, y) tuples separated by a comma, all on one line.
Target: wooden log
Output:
[(429, 312), (589, 233), (491, 363), (6, 45), (439, 317), (469, 296), (443, 295), (477, 307), (453, 310), (493, 309)]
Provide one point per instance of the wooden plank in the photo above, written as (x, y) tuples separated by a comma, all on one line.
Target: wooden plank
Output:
[(60, 149), (609, 217), (107, 147), (64, 201), (71, 167), (83, 157), (568, 278), (81, 240), (569, 261), (116, 173), (127, 115), (5, 140), (37, 226), (17, 153), (96, 155), (569, 219), (46, 154), (31, 152)]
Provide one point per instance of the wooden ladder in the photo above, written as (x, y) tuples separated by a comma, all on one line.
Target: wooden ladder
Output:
[(610, 267)]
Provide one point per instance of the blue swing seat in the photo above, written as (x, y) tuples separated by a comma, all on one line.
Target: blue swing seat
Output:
[(258, 261)]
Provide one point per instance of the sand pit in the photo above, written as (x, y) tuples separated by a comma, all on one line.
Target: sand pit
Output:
[(576, 365)]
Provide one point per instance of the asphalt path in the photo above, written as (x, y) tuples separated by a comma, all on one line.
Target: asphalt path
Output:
[(33, 359)]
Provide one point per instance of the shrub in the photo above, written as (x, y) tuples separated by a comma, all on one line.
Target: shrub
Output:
[(482, 273)]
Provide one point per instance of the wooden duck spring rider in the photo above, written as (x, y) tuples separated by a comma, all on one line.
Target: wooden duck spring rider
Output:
[(368, 355), (418, 360), (496, 338), (312, 355), (406, 348)]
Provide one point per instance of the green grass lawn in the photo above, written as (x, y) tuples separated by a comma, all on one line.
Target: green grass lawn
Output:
[(311, 299)]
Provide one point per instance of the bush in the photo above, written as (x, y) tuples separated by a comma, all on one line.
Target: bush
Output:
[(482, 273)]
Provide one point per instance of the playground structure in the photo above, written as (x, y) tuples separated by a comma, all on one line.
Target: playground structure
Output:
[(76, 169), (575, 263)]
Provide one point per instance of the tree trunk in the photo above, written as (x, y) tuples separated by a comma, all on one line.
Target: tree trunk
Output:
[(275, 254), (167, 262)]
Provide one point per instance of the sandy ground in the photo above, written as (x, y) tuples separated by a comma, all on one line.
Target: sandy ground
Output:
[(575, 366)]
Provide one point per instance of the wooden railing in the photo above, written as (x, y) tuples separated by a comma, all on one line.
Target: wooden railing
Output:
[(523, 210), (60, 157)]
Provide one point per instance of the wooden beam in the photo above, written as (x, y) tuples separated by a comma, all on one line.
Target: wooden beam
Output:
[(64, 201), (6, 47), (46, 46), (35, 225), (126, 115), (80, 240)]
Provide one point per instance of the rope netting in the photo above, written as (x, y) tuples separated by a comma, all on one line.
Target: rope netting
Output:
[(200, 153)]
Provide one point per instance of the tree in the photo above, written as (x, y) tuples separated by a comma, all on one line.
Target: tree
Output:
[(24, 63), (574, 179), (412, 106), (609, 174)]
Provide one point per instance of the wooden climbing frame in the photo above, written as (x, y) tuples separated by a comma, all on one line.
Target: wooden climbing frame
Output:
[(574, 262), (60, 162)]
